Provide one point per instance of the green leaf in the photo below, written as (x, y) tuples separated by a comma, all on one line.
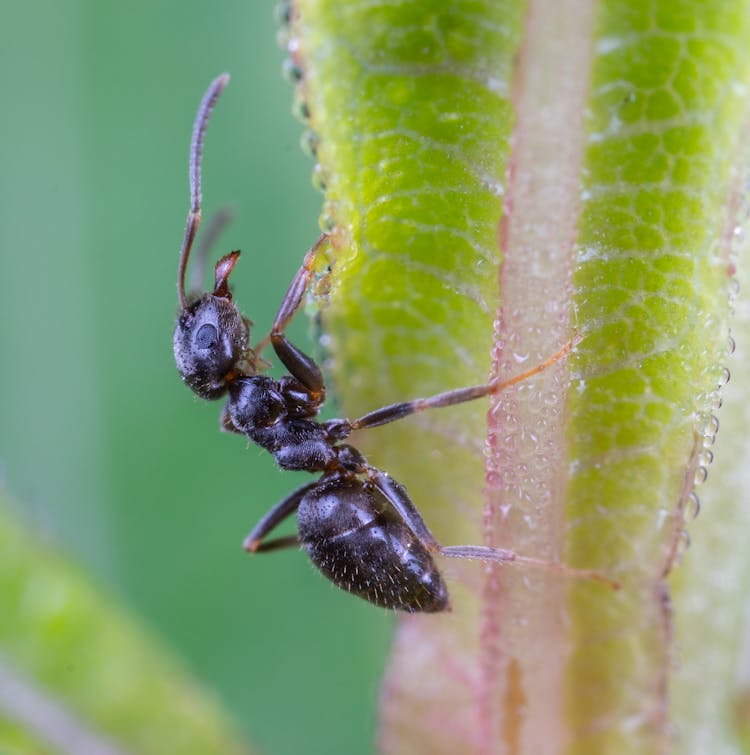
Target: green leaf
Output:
[(498, 175), (78, 675)]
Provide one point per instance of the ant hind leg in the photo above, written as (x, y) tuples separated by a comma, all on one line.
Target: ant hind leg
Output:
[(397, 496), (284, 508), (505, 556), (404, 506)]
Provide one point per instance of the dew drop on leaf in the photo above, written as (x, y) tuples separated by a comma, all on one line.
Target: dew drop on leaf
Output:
[(291, 71), (701, 473), (692, 507)]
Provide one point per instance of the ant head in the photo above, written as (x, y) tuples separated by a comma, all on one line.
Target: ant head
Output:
[(211, 336)]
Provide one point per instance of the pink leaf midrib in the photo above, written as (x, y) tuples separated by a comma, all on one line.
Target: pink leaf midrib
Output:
[(522, 645)]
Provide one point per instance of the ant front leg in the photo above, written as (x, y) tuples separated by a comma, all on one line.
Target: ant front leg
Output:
[(400, 500), (300, 366), (254, 541)]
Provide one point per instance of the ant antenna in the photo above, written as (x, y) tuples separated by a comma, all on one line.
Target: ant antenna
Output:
[(196, 153), (216, 225)]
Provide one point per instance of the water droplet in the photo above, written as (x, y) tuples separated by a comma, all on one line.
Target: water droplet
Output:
[(692, 507), (326, 222), (319, 180), (662, 515), (300, 108), (293, 45), (714, 400), (724, 377), (713, 425), (731, 345), (494, 186), (291, 70), (283, 12), (705, 457), (493, 479), (700, 475), (683, 543), (309, 142)]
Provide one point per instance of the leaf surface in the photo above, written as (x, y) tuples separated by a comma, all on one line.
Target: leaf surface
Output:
[(497, 176)]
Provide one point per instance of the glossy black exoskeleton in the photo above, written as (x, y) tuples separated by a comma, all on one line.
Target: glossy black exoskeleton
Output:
[(357, 524)]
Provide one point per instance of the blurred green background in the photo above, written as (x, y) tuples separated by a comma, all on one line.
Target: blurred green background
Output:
[(107, 450)]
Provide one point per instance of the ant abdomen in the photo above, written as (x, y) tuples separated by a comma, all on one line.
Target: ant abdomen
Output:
[(354, 536)]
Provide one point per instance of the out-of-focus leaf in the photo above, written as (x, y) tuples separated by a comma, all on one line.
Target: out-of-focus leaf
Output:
[(78, 675)]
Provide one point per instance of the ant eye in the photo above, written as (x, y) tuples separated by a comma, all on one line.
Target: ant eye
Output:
[(207, 337)]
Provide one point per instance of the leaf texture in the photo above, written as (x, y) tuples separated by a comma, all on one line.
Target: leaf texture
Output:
[(498, 176)]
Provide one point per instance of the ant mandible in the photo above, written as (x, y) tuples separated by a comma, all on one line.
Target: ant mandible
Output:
[(357, 524)]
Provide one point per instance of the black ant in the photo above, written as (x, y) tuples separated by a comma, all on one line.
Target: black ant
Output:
[(357, 524)]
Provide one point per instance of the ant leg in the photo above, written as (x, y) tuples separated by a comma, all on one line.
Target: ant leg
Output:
[(504, 556), (399, 499), (196, 153), (392, 412), (396, 494), (300, 366), (277, 544), (284, 508), (225, 422)]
